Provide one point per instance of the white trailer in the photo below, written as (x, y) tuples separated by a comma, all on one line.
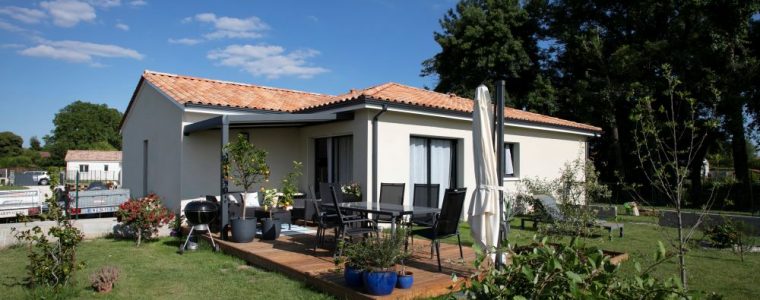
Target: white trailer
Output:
[(20, 203)]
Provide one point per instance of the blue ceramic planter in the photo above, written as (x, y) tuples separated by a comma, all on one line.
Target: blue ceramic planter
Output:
[(405, 281), (379, 283), (353, 276)]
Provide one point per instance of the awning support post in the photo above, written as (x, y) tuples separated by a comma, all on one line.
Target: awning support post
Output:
[(499, 129), (223, 181)]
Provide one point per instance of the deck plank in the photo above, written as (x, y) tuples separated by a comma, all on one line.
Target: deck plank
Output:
[(294, 257)]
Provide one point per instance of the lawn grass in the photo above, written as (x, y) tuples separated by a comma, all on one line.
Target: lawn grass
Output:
[(709, 270), (156, 271), (12, 187)]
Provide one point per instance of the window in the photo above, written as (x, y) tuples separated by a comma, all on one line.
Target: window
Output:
[(511, 160), (333, 160), (145, 168), (432, 161), (84, 168), (105, 168)]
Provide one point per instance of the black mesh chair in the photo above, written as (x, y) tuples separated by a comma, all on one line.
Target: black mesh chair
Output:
[(349, 226), (324, 222), (446, 223), (425, 195), (392, 193)]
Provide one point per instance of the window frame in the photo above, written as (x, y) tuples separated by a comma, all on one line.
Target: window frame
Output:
[(84, 168)]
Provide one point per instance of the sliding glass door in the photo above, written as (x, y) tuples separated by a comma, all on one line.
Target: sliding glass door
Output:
[(432, 161), (333, 160)]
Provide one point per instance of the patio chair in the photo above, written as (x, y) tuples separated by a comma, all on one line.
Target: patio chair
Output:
[(349, 226), (552, 214), (392, 193), (425, 195), (446, 223), (324, 222)]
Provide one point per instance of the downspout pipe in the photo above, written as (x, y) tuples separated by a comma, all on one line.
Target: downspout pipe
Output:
[(374, 151)]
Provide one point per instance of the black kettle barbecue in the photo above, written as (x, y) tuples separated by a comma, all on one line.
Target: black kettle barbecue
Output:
[(199, 214)]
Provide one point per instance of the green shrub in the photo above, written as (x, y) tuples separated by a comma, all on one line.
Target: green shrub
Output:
[(52, 254), (724, 235), (567, 272)]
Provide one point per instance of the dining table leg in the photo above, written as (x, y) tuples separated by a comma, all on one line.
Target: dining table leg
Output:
[(393, 225)]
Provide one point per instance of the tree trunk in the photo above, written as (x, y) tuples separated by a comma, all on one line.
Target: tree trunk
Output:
[(139, 236), (681, 250), (739, 149)]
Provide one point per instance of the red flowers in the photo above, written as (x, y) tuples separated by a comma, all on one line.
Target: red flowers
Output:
[(144, 215)]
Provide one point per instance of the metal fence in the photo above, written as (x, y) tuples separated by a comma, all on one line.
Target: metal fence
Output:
[(82, 180)]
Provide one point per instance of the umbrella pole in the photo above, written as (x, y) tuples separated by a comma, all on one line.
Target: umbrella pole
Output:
[(499, 131)]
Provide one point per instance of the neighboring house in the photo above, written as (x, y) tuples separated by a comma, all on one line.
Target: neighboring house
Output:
[(94, 165), (175, 125)]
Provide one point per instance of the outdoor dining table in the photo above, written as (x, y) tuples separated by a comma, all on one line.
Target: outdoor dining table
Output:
[(394, 211)]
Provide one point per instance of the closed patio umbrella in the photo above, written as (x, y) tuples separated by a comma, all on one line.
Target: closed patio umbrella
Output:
[(484, 213)]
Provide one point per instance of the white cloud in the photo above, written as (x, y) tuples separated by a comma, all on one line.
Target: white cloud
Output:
[(185, 41), (10, 27), (26, 15), (267, 60), (138, 3), (122, 26), (229, 27), (79, 52), (105, 3), (68, 13)]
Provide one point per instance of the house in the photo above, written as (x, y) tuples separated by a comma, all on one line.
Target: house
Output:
[(94, 165), (175, 126)]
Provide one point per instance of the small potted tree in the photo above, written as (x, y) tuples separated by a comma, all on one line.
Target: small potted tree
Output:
[(405, 278), (290, 185), (245, 165), (382, 255), (270, 228)]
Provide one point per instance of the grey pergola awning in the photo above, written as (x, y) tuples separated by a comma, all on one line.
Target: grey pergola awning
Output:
[(265, 120), (224, 123)]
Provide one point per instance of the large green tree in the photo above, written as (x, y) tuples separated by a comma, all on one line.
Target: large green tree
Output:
[(485, 40), (84, 126), (10, 144), (591, 60)]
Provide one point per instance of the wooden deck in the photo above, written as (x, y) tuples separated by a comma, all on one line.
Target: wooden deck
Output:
[(294, 256)]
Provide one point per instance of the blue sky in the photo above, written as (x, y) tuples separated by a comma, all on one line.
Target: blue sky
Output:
[(57, 51)]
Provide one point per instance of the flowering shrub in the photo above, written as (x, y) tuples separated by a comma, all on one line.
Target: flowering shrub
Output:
[(144, 216), (352, 189)]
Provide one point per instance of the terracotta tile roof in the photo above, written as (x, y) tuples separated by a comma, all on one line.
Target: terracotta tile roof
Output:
[(92, 155), (399, 93), (193, 90)]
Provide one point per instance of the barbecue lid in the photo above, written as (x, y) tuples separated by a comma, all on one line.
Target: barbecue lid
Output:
[(201, 206)]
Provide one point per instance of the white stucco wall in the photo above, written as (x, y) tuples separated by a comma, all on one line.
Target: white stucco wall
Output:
[(158, 120), (541, 153)]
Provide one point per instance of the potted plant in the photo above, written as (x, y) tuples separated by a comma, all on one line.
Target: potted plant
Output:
[(405, 278), (354, 262), (290, 185), (270, 228), (352, 192), (382, 254), (245, 165)]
